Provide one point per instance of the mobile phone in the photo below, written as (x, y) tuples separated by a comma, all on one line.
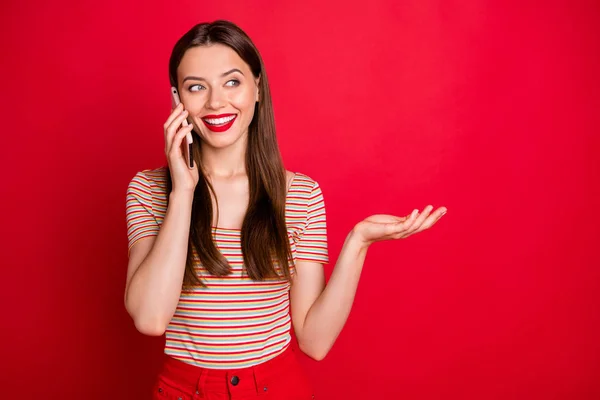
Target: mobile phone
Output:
[(189, 140)]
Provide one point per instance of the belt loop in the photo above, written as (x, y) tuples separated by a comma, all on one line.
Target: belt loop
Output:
[(201, 384), (256, 382), (259, 382)]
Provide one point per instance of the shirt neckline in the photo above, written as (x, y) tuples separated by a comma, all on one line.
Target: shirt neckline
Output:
[(218, 228)]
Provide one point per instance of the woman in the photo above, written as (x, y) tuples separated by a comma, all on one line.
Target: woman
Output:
[(219, 253)]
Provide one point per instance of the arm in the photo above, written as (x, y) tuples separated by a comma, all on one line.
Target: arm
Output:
[(320, 312), (156, 269), (157, 263)]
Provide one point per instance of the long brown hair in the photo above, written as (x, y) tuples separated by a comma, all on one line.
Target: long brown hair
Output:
[(264, 238)]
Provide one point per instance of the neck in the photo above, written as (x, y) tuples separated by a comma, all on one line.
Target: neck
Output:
[(225, 163)]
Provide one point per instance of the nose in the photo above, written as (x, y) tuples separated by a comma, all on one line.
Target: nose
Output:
[(216, 99)]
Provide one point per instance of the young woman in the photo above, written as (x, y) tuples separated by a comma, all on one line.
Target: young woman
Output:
[(220, 253)]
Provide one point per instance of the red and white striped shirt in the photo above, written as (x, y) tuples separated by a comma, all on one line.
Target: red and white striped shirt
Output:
[(233, 322)]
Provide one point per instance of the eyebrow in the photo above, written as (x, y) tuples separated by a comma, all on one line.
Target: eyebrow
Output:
[(198, 78)]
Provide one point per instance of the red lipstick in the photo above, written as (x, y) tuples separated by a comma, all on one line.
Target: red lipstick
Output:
[(221, 127)]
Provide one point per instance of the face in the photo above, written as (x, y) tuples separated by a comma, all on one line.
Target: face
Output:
[(219, 91)]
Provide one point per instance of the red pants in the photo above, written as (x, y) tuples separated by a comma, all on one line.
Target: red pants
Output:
[(279, 378)]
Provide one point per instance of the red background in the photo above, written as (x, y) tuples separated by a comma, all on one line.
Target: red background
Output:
[(486, 107)]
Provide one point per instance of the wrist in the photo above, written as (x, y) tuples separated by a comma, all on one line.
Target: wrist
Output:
[(355, 239), (181, 195)]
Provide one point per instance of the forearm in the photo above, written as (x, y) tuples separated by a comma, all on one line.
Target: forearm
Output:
[(328, 314), (155, 287)]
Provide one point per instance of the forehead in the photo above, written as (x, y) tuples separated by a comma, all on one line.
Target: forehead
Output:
[(210, 61)]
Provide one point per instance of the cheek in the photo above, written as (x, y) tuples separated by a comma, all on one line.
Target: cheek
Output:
[(194, 105), (243, 101)]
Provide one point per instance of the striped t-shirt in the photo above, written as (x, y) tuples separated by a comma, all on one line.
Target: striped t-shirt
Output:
[(233, 322)]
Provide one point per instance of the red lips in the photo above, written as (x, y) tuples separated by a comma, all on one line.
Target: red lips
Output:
[(222, 127)]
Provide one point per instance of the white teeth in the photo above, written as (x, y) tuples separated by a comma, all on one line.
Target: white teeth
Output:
[(219, 121)]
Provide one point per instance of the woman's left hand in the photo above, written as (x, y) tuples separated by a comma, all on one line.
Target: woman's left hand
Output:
[(388, 227)]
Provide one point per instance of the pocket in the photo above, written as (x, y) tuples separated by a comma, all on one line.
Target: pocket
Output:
[(164, 391), (292, 384)]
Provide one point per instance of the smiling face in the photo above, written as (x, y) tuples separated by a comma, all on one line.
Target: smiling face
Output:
[(219, 91)]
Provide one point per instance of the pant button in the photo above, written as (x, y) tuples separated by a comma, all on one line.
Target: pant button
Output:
[(235, 380)]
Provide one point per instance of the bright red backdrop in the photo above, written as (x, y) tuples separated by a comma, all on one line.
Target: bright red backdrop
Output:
[(486, 107)]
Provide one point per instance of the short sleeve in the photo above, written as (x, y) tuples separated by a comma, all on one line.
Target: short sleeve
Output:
[(312, 244), (141, 221)]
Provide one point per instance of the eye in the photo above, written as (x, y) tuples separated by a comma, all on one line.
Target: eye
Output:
[(235, 82), (195, 88)]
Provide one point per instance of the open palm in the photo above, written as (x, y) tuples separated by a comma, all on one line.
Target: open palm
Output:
[(389, 227)]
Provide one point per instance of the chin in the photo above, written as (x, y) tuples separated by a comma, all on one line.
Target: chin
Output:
[(222, 141)]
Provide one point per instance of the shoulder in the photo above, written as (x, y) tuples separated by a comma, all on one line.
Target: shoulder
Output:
[(302, 181), (151, 177), (305, 189), (148, 183)]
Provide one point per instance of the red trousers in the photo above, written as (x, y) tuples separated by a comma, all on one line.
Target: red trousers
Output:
[(279, 378)]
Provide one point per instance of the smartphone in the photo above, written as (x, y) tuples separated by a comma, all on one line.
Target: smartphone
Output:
[(189, 140)]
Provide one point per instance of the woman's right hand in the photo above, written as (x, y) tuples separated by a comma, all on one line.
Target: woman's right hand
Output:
[(184, 178)]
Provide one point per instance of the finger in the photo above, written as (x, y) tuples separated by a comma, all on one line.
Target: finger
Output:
[(433, 218), (391, 230), (419, 221), (174, 114), (181, 135), (174, 123), (401, 227), (175, 149), (385, 219), (178, 121), (428, 222), (176, 155), (172, 129)]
